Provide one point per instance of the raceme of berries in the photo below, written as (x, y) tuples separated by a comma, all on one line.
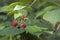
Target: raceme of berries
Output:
[(23, 17), (14, 23), (23, 25)]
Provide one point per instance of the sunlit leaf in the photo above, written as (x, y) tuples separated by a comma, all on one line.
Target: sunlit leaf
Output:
[(11, 6), (18, 7)]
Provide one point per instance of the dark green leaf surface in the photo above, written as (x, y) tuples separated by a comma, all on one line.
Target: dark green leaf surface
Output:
[(11, 31)]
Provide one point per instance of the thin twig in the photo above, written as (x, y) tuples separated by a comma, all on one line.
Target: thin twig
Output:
[(33, 2)]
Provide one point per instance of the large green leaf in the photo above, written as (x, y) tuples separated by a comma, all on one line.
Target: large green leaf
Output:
[(11, 31), (11, 6), (45, 10), (52, 16), (50, 8), (34, 29)]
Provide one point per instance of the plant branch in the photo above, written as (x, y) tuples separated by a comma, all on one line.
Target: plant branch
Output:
[(33, 2)]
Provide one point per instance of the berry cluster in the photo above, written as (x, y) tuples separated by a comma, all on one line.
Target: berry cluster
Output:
[(23, 25)]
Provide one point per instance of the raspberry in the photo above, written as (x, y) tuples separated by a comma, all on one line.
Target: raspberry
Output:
[(23, 25), (14, 23), (23, 17)]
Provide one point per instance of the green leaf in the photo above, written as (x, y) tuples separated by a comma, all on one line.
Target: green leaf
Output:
[(16, 15), (19, 7), (36, 4), (2, 26), (23, 12), (45, 24), (44, 11), (11, 12), (11, 31), (34, 29), (11, 6), (3, 9), (28, 8), (40, 13), (49, 32), (52, 16), (50, 8)]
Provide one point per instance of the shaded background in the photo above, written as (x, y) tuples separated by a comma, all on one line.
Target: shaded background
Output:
[(6, 2)]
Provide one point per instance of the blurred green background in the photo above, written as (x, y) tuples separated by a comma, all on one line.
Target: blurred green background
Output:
[(6, 2)]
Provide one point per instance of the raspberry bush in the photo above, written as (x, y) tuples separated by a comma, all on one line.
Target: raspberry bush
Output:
[(30, 20)]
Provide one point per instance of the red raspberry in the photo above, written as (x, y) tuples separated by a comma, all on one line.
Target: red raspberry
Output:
[(14, 23), (23, 17), (23, 25)]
